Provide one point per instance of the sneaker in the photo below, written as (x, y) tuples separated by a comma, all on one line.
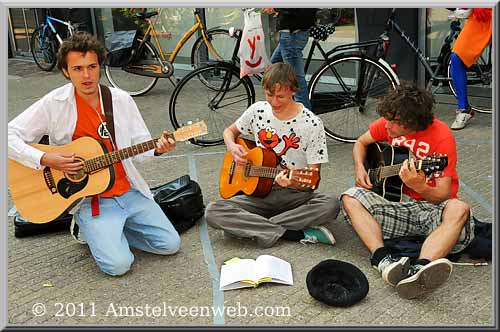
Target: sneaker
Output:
[(461, 119), (74, 230), (393, 269), (315, 234), (424, 278)]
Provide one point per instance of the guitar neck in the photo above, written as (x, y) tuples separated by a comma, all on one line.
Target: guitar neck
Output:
[(393, 170), (108, 159), (263, 171)]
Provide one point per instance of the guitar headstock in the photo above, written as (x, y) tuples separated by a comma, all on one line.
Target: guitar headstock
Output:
[(190, 131), (305, 177), (434, 164)]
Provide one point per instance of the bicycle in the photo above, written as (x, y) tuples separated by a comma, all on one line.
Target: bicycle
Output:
[(45, 42), (438, 73), (346, 86), (148, 62)]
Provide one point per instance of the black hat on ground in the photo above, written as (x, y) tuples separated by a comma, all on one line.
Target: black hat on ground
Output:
[(337, 283)]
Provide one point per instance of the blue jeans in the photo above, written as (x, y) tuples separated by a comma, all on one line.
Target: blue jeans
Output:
[(127, 220), (459, 79), (289, 50)]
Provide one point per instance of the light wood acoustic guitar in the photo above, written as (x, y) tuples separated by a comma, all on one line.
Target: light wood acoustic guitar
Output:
[(43, 195), (256, 177)]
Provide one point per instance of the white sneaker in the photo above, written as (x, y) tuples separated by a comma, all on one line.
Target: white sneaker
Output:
[(392, 269), (423, 279), (461, 120), (74, 230)]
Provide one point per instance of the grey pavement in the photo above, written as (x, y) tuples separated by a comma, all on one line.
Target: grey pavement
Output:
[(59, 273)]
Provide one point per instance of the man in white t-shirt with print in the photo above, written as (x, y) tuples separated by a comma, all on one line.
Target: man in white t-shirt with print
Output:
[(297, 137)]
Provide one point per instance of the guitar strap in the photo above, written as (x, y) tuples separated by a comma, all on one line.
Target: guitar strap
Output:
[(107, 103)]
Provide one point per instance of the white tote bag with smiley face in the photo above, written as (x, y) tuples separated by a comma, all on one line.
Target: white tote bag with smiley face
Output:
[(252, 51)]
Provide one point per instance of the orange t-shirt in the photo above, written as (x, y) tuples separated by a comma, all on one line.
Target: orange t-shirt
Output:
[(472, 40), (89, 124)]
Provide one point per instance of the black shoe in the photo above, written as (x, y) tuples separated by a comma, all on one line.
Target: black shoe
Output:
[(393, 269), (423, 279)]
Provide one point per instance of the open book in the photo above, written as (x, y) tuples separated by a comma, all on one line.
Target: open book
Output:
[(240, 273)]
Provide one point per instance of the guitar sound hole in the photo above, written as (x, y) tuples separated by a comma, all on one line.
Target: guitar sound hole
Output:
[(79, 174)]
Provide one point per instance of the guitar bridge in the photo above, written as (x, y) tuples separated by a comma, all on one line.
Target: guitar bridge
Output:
[(49, 180), (248, 168), (231, 171)]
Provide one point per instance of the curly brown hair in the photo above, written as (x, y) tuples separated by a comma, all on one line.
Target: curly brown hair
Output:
[(411, 105), (282, 74), (81, 41)]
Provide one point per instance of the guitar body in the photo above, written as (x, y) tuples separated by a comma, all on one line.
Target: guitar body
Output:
[(43, 195), (379, 155), (233, 178)]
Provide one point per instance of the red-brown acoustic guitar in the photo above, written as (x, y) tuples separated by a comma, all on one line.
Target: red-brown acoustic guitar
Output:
[(256, 177)]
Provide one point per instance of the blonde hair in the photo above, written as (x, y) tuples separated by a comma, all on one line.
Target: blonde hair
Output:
[(281, 74)]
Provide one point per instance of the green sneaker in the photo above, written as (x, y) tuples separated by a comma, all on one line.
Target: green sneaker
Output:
[(315, 234)]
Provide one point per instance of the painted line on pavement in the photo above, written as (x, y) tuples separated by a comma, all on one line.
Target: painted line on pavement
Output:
[(474, 141), (217, 295), (480, 199), (169, 156)]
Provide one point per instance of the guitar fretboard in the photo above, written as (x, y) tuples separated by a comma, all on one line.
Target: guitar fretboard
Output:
[(108, 159), (393, 170), (263, 171)]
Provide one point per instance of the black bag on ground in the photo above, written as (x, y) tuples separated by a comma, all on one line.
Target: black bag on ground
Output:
[(23, 227), (182, 202), (479, 248)]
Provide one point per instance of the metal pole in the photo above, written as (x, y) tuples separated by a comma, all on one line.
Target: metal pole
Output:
[(26, 31), (422, 43), (12, 38)]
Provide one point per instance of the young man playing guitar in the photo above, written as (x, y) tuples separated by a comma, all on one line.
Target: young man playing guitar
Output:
[(429, 207), (297, 137), (126, 214)]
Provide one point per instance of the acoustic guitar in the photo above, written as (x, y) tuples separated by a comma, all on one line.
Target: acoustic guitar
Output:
[(43, 195), (383, 163), (256, 177)]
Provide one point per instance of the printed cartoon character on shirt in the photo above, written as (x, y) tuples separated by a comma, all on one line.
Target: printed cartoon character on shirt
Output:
[(269, 139)]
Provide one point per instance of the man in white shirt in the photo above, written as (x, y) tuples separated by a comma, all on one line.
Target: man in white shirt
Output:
[(125, 215)]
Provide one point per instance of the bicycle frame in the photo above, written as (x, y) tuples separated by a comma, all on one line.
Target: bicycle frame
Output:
[(197, 26), (48, 22), (455, 29)]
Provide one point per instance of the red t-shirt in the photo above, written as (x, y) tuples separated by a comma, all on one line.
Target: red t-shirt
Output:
[(436, 138), (89, 124)]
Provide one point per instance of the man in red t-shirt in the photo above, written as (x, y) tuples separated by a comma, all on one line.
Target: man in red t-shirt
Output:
[(428, 207)]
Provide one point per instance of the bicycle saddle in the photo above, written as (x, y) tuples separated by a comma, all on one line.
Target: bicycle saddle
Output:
[(146, 15)]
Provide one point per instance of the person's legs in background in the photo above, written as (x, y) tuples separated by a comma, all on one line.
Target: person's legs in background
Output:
[(459, 79), (289, 50)]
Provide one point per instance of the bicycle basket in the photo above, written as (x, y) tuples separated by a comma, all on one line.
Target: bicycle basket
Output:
[(119, 45)]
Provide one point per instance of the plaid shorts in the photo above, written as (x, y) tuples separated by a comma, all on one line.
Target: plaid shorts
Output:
[(407, 218)]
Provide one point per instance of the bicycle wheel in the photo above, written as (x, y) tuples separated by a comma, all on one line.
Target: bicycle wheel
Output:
[(134, 84), (193, 101), (345, 91), (43, 48), (479, 88), (223, 43)]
